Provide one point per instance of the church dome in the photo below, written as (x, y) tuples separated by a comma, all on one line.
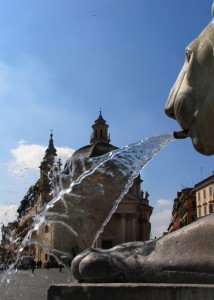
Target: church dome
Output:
[(99, 144), (100, 140)]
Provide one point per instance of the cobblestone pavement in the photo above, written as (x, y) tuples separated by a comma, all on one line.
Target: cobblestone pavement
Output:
[(23, 285)]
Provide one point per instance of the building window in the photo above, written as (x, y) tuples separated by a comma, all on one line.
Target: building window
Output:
[(210, 189), (205, 210), (204, 194), (211, 208), (199, 212), (199, 197)]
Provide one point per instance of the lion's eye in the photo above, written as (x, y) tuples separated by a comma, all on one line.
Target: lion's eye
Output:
[(188, 55)]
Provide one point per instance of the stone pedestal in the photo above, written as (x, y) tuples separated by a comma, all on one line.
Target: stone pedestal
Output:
[(131, 291)]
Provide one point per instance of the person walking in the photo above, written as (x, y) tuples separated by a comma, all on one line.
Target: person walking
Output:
[(33, 264)]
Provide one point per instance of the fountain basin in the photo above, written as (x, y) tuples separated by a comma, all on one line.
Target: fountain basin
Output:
[(131, 291)]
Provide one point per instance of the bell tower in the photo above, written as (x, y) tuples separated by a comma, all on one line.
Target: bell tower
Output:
[(100, 131), (45, 168)]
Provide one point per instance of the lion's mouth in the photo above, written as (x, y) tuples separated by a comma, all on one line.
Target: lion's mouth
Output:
[(183, 134)]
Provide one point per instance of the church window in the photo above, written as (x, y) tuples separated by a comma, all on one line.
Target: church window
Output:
[(46, 229)]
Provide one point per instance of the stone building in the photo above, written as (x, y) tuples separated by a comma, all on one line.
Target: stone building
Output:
[(205, 196), (8, 242), (131, 220), (193, 203), (184, 209), (15, 233)]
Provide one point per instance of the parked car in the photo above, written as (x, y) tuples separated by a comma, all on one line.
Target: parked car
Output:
[(3, 267), (25, 263)]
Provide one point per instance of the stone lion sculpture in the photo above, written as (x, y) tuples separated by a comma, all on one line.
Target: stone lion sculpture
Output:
[(186, 255), (191, 100)]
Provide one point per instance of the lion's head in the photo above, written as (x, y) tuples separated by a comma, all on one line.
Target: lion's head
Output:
[(191, 100)]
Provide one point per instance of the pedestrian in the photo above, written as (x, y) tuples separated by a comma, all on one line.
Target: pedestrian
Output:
[(33, 264), (40, 264)]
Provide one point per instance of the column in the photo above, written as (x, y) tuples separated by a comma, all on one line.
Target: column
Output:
[(133, 224), (123, 228), (143, 224)]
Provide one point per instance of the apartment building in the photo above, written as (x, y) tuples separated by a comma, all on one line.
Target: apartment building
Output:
[(205, 196)]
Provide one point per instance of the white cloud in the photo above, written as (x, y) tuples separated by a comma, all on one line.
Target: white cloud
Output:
[(162, 215), (8, 213), (64, 153), (160, 222), (163, 202), (27, 157)]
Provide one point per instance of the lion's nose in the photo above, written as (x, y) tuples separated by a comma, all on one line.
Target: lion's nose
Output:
[(169, 109)]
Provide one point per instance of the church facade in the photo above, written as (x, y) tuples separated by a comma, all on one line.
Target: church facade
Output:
[(130, 221)]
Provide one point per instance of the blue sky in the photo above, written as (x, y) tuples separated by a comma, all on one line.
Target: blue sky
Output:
[(61, 61)]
